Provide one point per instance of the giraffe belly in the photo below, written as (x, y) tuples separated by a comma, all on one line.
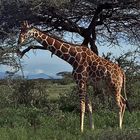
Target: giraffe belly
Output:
[(101, 85)]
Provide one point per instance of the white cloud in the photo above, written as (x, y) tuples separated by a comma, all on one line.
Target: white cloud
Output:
[(4, 68), (38, 71), (42, 62)]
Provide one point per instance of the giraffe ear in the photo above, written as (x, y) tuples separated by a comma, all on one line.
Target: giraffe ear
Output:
[(25, 24)]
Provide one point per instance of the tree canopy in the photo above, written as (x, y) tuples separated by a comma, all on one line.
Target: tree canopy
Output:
[(102, 22)]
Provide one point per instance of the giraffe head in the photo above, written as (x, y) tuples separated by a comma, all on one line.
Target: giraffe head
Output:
[(25, 33)]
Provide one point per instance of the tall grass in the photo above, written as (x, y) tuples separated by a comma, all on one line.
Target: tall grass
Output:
[(35, 114), (65, 126)]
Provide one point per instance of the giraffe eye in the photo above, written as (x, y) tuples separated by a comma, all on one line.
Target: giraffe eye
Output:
[(49, 47)]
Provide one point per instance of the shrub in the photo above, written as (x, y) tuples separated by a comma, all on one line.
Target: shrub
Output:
[(69, 101), (30, 93)]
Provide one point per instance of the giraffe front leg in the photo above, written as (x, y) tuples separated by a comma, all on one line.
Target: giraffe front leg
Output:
[(82, 114), (82, 93), (89, 108)]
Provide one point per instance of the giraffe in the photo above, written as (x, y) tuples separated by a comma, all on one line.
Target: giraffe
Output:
[(86, 66)]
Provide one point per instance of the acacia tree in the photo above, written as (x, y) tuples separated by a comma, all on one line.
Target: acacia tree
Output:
[(97, 22), (8, 57)]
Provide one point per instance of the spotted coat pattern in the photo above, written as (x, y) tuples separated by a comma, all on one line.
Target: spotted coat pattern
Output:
[(86, 66)]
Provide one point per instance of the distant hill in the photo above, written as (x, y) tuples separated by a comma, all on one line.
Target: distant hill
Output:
[(40, 75), (43, 76), (34, 76), (2, 75)]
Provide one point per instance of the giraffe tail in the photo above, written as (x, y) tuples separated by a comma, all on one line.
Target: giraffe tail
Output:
[(128, 106), (126, 100)]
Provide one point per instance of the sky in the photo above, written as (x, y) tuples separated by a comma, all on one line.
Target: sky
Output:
[(41, 61)]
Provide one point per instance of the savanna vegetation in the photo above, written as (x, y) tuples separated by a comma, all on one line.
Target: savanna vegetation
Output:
[(49, 109)]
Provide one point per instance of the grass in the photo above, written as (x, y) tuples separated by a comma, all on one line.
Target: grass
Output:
[(31, 123), (44, 134), (54, 90), (65, 126)]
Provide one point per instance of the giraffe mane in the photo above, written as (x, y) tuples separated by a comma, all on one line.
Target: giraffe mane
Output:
[(56, 37)]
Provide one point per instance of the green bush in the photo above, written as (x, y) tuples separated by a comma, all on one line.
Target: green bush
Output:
[(30, 93), (69, 101), (11, 117), (5, 96)]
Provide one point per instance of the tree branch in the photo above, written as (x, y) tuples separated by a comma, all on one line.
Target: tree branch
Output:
[(22, 53), (91, 30)]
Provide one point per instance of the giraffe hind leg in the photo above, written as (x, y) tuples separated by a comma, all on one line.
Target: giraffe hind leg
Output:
[(122, 105), (89, 109)]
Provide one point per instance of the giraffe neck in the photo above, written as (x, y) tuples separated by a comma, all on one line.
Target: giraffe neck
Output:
[(62, 50)]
